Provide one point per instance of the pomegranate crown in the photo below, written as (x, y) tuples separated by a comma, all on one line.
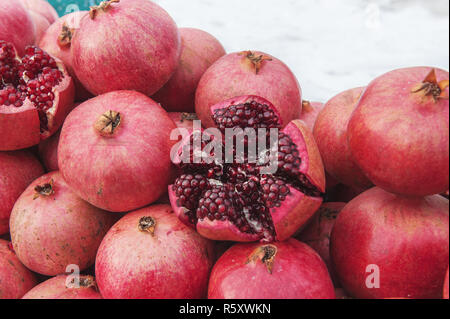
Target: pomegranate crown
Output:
[(256, 59), (431, 87), (44, 190), (103, 6), (65, 37)]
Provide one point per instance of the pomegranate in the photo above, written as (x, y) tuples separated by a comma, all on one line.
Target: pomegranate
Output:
[(36, 93), (330, 132), (199, 50), (41, 25), (48, 152), (65, 287), (114, 151), (57, 41), (399, 132), (126, 45), (239, 200), (17, 170), (15, 279), (150, 254), (318, 232), (43, 8), (52, 228), (286, 270), (388, 246), (184, 120), (16, 26), (249, 72), (310, 111), (446, 286)]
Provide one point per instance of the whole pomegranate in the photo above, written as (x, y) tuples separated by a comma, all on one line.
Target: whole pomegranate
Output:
[(318, 232), (57, 41), (388, 246), (150, 254), (17, 170), (15, 279), (114, 151), (43, 8), (310, 111), (253, 73), (446, 286), (65, 287), (330, 132), (16, 26), (199, 50), (36, 94), (241, 200), (52, 228), (399, 132), (285, 270), (125, 45), (48, 152), (41, 25)]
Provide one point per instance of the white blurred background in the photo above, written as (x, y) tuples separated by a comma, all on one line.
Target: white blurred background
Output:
[(331, 45)]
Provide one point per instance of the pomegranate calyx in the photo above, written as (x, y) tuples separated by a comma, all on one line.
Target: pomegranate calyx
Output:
[(44, 190), (266, 254), (65, 37), (255, 59), (147, 224), (431, 87), (103, 6), (88, 282), (188, 117), (107, 124), (306, 106)]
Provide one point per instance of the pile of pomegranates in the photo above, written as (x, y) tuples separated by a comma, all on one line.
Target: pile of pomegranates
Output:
[(141, 161)]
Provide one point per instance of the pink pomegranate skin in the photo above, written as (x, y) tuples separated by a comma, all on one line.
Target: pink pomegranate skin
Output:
[(16, 25), (235, 75), (15, 279), (51, 231), (50, 43), (56, 288), (406, 237), (173, 262), (99, 166), (310, 111), (330, 132), (317, 233), (446, 286), (41, 25), (297, 273), (131, 45), (399, 138), (17, 170), (48, 152), (199, 50), (43, 8)]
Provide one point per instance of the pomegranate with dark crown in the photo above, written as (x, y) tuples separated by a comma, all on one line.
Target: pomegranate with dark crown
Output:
[(36, 94), (249, 73), (240, 200), (399, 132), (285, 270)]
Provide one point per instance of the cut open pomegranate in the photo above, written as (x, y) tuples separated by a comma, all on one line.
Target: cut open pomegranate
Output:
[(36, 93), (240, 200)]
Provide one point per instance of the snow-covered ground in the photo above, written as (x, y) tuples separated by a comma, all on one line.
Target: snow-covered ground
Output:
[(331, 45)]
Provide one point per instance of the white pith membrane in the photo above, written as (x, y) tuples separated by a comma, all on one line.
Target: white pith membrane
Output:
[(239, 193)]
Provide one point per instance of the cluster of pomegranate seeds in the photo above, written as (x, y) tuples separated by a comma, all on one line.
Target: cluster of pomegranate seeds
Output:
[(188, 189), (33, 77)]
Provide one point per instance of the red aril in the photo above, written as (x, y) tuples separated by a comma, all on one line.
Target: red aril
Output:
[(114, 151), (249, 73), (199, 50), (285, 270), (388, 246), (17, 170), (150, 254), (399, 132)]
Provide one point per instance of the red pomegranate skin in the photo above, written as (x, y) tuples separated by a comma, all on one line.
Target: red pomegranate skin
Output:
[(43, 8), (15, 279), (330, 132), (298, 273), (48, 152), (173, 263), (400, 139), (317, 233), (446, 286), (51, 44), (127, 170), (199, 50), (310, 111), (16, 25), (235, 75), (50, 232), (406, 237), (131, 45), (56, 288), (17, 170)]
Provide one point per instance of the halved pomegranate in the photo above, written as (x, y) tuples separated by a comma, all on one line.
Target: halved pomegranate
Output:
[(239, 200), (36, 94)]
